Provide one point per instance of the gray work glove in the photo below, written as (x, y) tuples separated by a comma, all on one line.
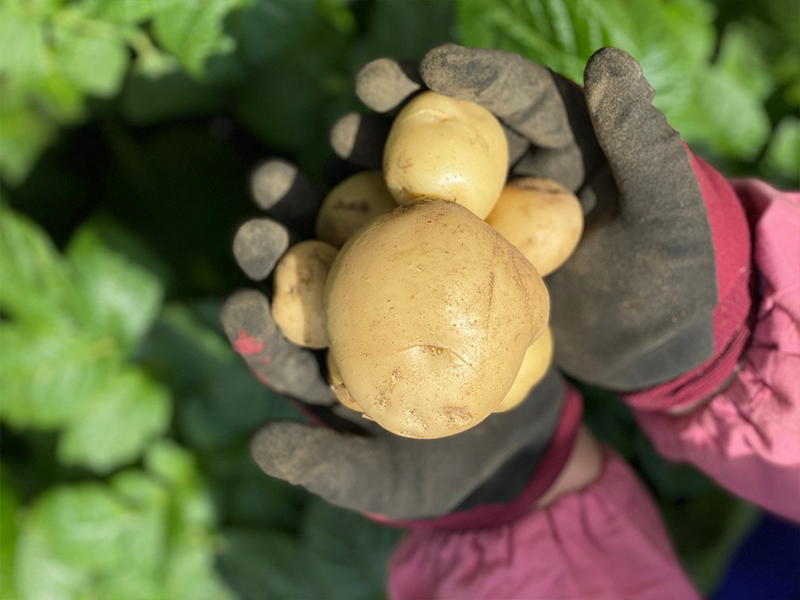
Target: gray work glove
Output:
[(347, 459), (633, 306)]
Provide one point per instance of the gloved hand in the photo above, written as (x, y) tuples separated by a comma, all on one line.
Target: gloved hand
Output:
[(345, 458), (635, 305)]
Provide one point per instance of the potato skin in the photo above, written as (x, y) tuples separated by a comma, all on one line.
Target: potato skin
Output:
[(337, 385), (298, 304), (351, 205), (446, 149), (540, 217), (537, 360), (430, 312)]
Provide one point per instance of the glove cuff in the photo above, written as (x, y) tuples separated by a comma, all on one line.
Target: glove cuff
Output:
[(732, 250), (494, 514)]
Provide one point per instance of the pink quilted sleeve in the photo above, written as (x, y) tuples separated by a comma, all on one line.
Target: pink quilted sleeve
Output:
[(747, 435), (605, 541)]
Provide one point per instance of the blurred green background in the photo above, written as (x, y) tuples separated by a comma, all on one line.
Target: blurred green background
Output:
[(128, 129)]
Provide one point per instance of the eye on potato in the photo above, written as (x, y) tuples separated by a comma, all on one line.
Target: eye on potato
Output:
[(540, 217), (351, 205), (298, 307), (430, 312), (537, 360), (446, 149)]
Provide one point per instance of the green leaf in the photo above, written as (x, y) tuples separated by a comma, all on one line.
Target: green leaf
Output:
[(23, 52), (124, 416), (39, 574), (93, 56), (37, 285), (191, 575), (138, 537), (83, 525), (49, 376), (263, 565), (146, 542), (73, 323), (9, 506), (741, 57), (348, 552), (123, 298), (171, 463), (24, 134), (53, 54), (783, 153), (119, 11), (193, 31), (717, 105), (59, 99), (726, 116)]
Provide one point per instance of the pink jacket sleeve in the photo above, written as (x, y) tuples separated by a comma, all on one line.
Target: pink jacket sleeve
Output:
[(747, 435), (605, 541)]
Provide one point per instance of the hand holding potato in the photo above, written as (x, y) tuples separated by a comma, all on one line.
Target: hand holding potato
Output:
[(352, 461)]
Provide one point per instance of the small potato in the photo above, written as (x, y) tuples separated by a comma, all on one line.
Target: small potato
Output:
[(534, 366), (446, 149), (337, 385), (298, 305), (430, 312), (540, 217), (351, 205)]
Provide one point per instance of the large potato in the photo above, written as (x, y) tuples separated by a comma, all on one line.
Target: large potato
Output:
[(537, 360), (447, 149), (540, 217), (351, 205), (430, 312), (298, 302)]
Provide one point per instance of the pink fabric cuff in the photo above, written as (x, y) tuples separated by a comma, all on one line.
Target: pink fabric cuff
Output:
[(606, 541), (732, 316), (491, 515)]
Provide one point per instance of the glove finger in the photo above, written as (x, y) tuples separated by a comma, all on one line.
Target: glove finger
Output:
[(286, 195), (352, 471), (523, 94), (258, 245), (385, 84), (282, 366), (360, 139), (647, 158)]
